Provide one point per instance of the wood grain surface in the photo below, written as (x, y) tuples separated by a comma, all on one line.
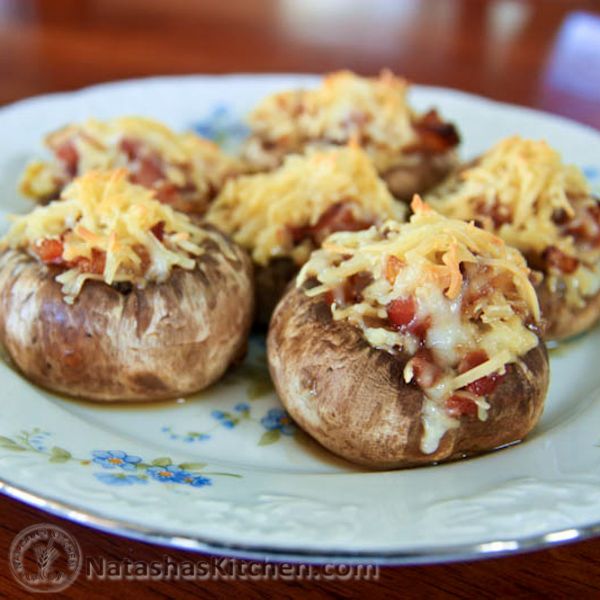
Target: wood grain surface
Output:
[(543, 54)]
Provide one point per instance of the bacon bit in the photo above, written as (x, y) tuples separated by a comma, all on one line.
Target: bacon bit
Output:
[(356, 284), (351, 291), (419, 327), (472, 360), (168, 193), (500, 215), (338, 217), (401, 312), (486, 385), (142, 252), (149, 171), (559, 260), (585, 226), (130, 147), (402, 317), (425, 371), (158, 231), (435, 136), (50, 251), (68, 155), (458, 406), (393, 266), (94, 265)]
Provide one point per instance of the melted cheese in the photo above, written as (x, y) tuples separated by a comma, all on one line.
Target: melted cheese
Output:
[(188, 159), (433, 251), (259, 210), (526, 182), (344, 106), (102, 211), (436, 423)]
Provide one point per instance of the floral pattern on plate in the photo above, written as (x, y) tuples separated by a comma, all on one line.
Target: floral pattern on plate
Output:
[(274, 424), (119, 467)]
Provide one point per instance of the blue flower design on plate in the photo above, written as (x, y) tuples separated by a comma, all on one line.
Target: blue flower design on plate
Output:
[(173, 474), (119, 478), (221, 127), (115, 459), (188, 439), (278, 420), (39, 441), (591, 173), (223, 418)]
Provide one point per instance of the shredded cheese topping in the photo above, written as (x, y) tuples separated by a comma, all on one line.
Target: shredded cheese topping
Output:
[(345, 106), (431, 254), (260, 211), (101, 212), (189, 161), (515, 190)]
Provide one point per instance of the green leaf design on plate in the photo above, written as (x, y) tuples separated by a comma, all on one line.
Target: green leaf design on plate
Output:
[(192, 466), (164, 461), (10, 444), (59, 455), (221, 474), (259, 388), (269, 437)]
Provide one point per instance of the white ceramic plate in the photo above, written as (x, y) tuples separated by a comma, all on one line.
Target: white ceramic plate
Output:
[(225, 471)]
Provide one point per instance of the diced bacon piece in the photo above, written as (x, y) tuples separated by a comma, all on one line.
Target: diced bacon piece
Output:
[(458, 406)]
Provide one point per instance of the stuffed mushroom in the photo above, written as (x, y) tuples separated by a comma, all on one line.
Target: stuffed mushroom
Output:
[(521, 191), (411, 151), (184, 170), (280, 217), (108, 294), (410, 344)]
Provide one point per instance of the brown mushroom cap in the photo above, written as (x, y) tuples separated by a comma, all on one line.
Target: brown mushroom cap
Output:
[(352, 397), (166, 340)]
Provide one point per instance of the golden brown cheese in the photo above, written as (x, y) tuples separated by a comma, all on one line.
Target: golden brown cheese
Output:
[(343, 106), (186, 160), (515, 189), (259, 211), (103, 212), (372, 110)]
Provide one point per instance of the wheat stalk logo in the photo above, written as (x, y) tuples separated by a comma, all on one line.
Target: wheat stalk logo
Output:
[(35, 558), (46, 555)]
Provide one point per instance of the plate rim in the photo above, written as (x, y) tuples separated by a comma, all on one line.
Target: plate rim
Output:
[(425, 556)]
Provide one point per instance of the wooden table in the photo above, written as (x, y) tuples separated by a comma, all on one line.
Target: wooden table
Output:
[(543, 54)]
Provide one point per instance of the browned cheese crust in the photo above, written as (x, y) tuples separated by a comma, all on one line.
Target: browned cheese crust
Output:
[(562, 320), (403, 181), (160, 342), (353, 399)]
